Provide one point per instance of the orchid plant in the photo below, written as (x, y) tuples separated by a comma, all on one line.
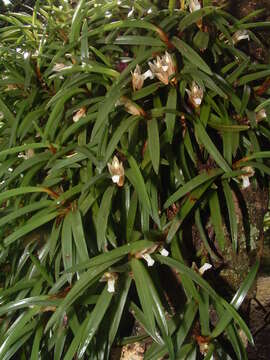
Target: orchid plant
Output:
[(134, 151)]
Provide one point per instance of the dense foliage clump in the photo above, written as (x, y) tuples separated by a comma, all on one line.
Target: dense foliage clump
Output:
[(129, 132)]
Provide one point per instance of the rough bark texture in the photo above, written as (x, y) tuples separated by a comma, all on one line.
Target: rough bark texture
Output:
[(260, 321), (251, 203), (242, 8)]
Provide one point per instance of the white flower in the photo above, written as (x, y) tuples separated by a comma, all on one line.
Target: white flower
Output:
[(246, 182), (130, 106), (195, 95), (117, 171), (137, 78), (249, 172), (59, 67), (111, 285), (240, 35), (261, 115), (163, 68), (164, 252), (71, 155), (194, 5), (204, 347), (148, 74), (150, 261), (28, 154), (204, 268), (79, 114), (111, 278), (11, 87), (145, 254)]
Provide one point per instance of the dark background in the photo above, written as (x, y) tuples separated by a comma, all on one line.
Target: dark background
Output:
[(16, 5)]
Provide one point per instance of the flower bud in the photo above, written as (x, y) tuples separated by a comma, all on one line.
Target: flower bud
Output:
[(150, 261), (164, 252), (111, 285), (59, 67), (79, 114), (195, 95), (240, 35), (194, 5), (28, 154), (204, 268), (261, 115), (249, 172), (137, 78), (163, 68), (117, 171), (111, 278), (130, 106)]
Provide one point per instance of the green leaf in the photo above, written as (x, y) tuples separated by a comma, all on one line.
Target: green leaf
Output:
[(141, 318), (151, 303), (190, 312), (25, 210), (210, 146), (66, 240), (117, 135), (236, 301), (84, 43), (232, 213), (76, 21), (203, 235), (94, 320), (27, 123), (193, 17), (29, 226), (36, 343), (191, 185), (142, 287), (57, 113), (20, 148), (78, 235), (103, 215), (227, 128), (131, 215), (170, 117), (185, 209), (204, 313), (36, 301), (7, 113), (201, 40), (119, 252), (141, 24), (85, 281), (42, 270), (138, 40), (20, 191), (118, 308), (204, 285), (145, 91), (252, 77), (216, 219), (136, 178), (188, 285), (238, 71), (153, 141), (262, 105), (191, 55), (21, 331)]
